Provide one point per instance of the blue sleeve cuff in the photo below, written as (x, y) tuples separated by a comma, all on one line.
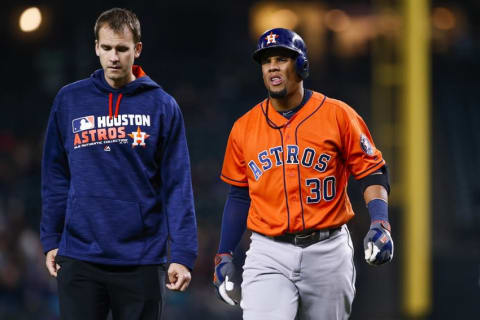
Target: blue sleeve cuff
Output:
[(186, 258), (50, 242)]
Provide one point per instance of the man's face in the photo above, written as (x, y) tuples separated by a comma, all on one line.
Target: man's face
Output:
[(279, 75), (117, 51)]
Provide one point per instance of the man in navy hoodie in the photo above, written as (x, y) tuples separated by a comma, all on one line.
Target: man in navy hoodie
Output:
[(116, 186)]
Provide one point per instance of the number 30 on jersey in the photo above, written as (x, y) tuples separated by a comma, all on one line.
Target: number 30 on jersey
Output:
[(320, 189)]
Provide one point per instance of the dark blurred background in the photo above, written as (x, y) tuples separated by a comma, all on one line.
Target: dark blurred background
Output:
[(200, 52)]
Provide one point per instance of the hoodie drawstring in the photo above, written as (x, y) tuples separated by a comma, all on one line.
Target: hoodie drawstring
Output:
[(110, 100)]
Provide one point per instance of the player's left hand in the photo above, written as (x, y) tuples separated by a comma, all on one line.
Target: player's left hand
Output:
[(378, 243), (179, 277), (223, 278)]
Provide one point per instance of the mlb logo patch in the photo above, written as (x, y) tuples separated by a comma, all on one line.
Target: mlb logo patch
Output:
[(83, 123)]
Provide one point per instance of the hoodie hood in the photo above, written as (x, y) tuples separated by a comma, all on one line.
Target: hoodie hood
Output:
[(140, 84)]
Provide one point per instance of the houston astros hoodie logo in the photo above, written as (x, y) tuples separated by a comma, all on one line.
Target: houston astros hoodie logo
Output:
[(91, 130)]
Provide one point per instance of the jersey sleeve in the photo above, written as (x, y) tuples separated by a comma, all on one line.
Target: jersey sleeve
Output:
[(361, 156), (234, 167)]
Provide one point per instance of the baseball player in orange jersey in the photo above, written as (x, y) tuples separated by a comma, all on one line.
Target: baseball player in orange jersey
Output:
[(288, 161)]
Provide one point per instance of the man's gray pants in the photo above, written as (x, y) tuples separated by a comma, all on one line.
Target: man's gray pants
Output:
[(282, 281)]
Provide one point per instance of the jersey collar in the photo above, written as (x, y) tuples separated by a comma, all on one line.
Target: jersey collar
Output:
[(277, 121)]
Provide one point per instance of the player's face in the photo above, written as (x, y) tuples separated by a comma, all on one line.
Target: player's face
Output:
[(117, 51), (279, 75)]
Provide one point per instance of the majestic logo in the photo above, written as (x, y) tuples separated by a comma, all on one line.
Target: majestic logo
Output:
[(365, 145), (107, 148), (83, 123), (139, 138), (271, 38)]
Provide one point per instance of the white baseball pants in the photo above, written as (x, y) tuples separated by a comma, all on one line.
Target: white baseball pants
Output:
[(285, 282)]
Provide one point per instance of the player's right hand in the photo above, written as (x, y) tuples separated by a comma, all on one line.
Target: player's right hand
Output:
[(223, 278), (52, 266)]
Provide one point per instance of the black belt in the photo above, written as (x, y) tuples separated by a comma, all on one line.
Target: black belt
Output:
[(306, 239)]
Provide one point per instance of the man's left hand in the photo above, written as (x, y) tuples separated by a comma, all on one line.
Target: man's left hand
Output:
[(378, 243), (179, 277)]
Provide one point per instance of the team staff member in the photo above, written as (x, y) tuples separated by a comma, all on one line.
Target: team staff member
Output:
[(288, 161), (116, 186)]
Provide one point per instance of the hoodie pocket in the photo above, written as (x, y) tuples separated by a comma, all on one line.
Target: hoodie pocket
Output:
[(106, 229)]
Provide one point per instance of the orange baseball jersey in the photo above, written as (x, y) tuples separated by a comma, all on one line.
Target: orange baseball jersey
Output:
[(297, 170)]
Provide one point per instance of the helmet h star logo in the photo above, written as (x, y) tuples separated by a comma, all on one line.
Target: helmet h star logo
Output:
[(139, 138), (271, 38)]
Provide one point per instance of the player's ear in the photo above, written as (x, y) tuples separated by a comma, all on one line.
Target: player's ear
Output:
[(97, 48), (138, 49)]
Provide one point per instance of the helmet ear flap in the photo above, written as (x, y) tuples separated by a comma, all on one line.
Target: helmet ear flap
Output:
[(302, 66)]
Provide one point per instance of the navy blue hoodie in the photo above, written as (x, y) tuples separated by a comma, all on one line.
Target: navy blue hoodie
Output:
[(116, 182)]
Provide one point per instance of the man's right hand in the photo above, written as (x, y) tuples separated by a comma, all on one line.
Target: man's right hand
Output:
[(223, 278), (50, 262)]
